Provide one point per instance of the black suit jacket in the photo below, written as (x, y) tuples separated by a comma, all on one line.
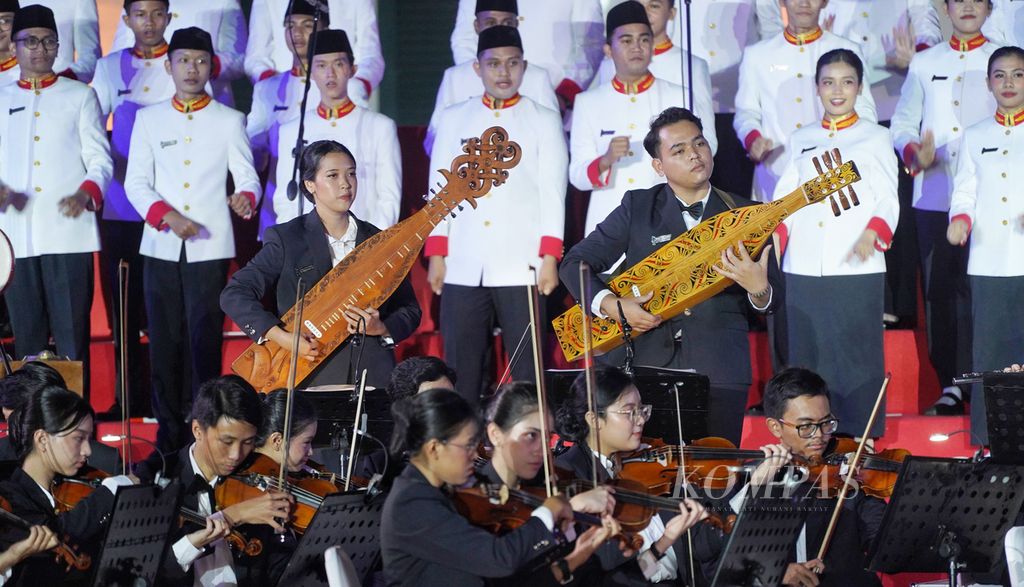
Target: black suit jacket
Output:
[(426, 543), (299, 248), (83, 526), (714, 336)]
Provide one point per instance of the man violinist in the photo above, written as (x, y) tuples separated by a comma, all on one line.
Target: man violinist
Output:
[(712, 337), (798, 414)]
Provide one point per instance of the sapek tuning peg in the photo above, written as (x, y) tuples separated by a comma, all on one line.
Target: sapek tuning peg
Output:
[(817, 165), (842, 199), (837, 157), (853, 195), (826, 158), (835, 207)]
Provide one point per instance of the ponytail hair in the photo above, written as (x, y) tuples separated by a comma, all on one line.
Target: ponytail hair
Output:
[(609, 384), (511, 403), (274, 405), (52, 409), (433, 414)]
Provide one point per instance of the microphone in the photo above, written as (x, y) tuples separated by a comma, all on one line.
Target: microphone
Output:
[(292, 191)]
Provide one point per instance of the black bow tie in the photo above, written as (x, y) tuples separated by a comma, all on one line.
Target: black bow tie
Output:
[(694, 210)]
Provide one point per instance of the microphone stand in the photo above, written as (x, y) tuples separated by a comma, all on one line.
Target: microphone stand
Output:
[(687, 73), (293, 186), (627, 331)]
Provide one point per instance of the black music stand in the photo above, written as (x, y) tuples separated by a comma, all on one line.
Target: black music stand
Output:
[(759, 545), (336, 410), (948, 515), (657, 387), (136, 541), (1004, 416), (349, 520)]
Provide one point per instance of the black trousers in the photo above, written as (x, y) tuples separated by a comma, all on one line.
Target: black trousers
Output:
[(52, 295), (947, 296), (733, 172), (121, 240), (468, 317), (185, 338), (901, 260)]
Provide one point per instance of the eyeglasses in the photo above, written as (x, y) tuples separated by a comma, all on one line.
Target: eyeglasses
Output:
[(469, 448), (808, 430), (33, 43), (6, 22), (639, 414)]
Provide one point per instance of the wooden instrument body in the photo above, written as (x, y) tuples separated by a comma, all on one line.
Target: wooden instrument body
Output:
[(368, 276), (682, 273)]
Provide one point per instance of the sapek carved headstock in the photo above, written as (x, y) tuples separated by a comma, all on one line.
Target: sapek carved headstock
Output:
[(484, 165), (832, 180)]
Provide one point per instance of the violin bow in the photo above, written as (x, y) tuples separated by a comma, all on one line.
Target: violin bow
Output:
[(533, 301), (293, 363), (355, 431), (588, 363), (851, 471), (126, 422), (682, 482)]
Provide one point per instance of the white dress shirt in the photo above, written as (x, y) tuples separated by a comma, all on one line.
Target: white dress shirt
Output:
[(340, 247), (213, 570)]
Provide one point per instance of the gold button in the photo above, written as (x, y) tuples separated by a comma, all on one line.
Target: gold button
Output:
[(487, 222), (36, 163), (630, 180), (174, 14), (39, 189), (956, 102), (145, 88), (187, 208), (798, 100), (962, 56), (1007, 132), (1005, 152), (959, 78), (831, 134), (711, 53), (497, 114), (1003, 174), (1004, 198), (864, 14), (956, 129), (631, 126), (36, 138), (632, 98), (801, 49), (188, 162), (37, 116), (799, 75), (798, 125), (821, 225), (190, 117), (334, 123), (1005, 222), (712, 25), (186, 185), (38, 92), (522, 18), (188, 139), (629, 153)]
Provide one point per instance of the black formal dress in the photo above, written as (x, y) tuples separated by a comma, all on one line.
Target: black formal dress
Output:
[(82, 527), (713, 337), (426, 543), (299, 248)]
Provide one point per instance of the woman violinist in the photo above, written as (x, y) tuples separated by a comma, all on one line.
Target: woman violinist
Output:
[(514, 429), (50, 434), (617, 428), (309, 247), (424, 541)]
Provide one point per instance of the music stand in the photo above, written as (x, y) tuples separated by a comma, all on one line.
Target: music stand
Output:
[(759, 545), (136, 539), (946, 515), (349, 520), (657, 387), (1004, 416), (336, 409)]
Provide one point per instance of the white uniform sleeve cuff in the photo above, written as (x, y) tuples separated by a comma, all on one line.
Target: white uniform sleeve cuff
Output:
[(545, 516), (595, 306), (6, 576), (185, 553)]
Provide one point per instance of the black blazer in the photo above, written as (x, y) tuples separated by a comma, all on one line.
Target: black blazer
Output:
[(83, 527), (299, 248), (714, 336), (426, 543)]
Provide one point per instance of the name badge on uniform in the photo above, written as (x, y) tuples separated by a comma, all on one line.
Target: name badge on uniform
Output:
[(605, 133), (280, 108), (940, 78), (657, 240), (778, 67), (123, 92), (14, 110), (802, 151), (989, 150), (165, 144)]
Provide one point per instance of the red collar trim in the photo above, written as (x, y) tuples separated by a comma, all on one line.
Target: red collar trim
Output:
[(1015, 119), (337, 112), (802, 39), (498, 104), (39, 83), (160, 51), (192, 105), (663, 47), (834, 124), (297, 71), (959, 44), (8, 64), (634, 88)]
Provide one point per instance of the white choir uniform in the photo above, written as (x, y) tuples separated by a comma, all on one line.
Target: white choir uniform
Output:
[(618, 109), (51, 145), (518, 222), (989, 196), (78, 30), (566, 38), (777, 96), (180, 161), (460, 83), (667, 63), (10, 71), (866, 22), (125, 82), (275, 100), (818, 243), (373, 140), (946, 93), (722, 31), (1005, 25), (267, 52), (225, 22)]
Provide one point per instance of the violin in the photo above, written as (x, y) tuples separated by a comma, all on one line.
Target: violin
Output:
[(64, 553), (876, 474), (69, 491), (711, 463), (236, 541)]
